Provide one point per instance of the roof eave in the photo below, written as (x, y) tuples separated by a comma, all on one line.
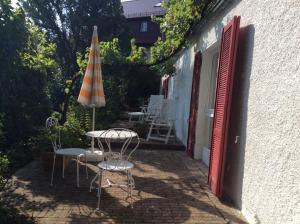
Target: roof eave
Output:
[(208, 16), (211, 12)]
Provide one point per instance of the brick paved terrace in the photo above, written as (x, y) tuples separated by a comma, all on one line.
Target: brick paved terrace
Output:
[(170, 188)]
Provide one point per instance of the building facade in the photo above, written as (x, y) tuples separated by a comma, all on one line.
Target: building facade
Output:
[(138, 13), (261, 167)]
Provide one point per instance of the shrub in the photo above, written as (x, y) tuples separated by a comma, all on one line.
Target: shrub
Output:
[(4, 163), (2, 133), (72, 134)]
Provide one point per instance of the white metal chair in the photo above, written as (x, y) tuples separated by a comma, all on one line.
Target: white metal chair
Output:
[(164, 121), (148, 111), (118, 161), (53, 127)]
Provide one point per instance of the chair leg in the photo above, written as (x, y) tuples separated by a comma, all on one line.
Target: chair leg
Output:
[(63, 167), (168, 135), (99, 188), (77, 171), (130, 118), (93, 180), (150, 132), (128, 183), (54, 157), (175, 137), (157, 132)]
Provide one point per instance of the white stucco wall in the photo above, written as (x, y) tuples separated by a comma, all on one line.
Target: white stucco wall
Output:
[(180, 91), (268, 167)]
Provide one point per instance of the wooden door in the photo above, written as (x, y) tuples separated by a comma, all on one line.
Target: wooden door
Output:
[(226, 69), (194, 104)]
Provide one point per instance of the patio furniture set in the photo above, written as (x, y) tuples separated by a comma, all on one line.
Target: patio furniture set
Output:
[(111, 160), (160, 115)]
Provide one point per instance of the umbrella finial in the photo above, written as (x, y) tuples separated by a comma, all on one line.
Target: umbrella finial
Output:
[(95, 28)]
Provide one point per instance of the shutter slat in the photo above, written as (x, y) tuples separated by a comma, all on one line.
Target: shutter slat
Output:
[(222, 105)]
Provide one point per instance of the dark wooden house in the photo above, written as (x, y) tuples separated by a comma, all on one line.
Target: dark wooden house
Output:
[(138, 13)]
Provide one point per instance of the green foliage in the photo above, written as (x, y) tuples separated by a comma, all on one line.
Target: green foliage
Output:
[(111, 53), (39, 53), (25, 107), (23, 98), (4, 163), (167, 67), (41, 142), (12, 35), (180, 18), (2, 131), (137, 54), (69, 25), (72, 133)]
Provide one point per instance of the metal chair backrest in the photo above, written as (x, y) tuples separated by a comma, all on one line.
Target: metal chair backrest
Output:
[(53, 127), (123, 137)]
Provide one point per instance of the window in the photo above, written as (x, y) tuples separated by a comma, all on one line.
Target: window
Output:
[(144, 27)]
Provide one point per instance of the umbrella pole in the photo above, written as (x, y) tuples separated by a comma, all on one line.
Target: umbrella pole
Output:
[(93, 129)]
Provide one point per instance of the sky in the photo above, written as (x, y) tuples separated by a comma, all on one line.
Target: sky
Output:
[(14, 2)]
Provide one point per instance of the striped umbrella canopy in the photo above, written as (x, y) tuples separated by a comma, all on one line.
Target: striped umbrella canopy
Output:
[(91, 92)]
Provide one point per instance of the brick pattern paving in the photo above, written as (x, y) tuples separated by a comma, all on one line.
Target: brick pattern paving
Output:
[(170, 188)]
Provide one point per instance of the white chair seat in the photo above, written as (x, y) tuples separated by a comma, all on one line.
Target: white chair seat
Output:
[(136, 113), (71, 151), (115, 165)]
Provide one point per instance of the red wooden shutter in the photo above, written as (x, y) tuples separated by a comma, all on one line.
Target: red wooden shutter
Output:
[(222, 105), (165, 88), (194, 104)]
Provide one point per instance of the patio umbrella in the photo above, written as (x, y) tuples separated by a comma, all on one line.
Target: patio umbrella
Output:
[(91, 92)]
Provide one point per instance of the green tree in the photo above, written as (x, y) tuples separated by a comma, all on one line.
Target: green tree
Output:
[(39, 54), (23, 99), (70, 25), (13, 38), (178, 23)]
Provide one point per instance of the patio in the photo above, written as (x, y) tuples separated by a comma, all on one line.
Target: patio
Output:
[(170, 188)]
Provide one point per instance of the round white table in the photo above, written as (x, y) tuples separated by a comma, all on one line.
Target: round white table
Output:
[(111, 134), (95, 154), (139, 115)]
